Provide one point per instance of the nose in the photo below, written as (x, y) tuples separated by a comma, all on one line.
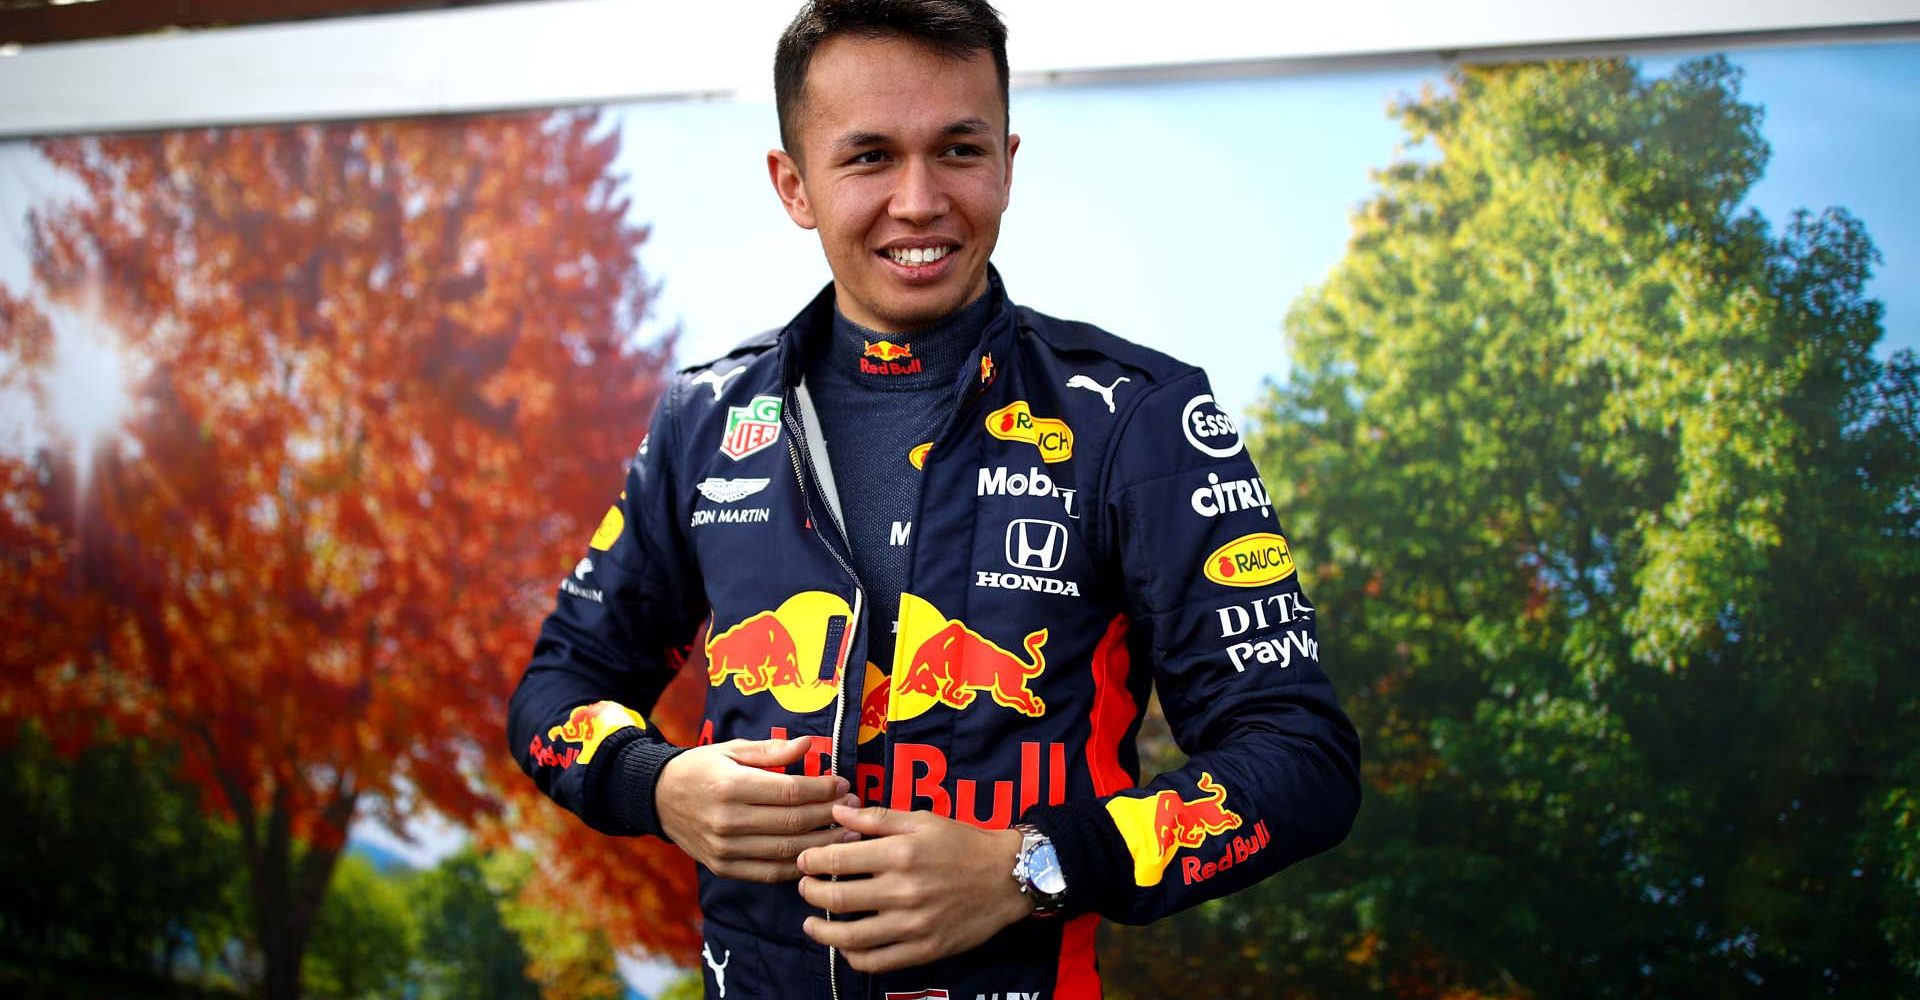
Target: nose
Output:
[(919, 199)]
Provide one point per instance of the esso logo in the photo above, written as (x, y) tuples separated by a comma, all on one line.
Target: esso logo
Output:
[(1209, 429)]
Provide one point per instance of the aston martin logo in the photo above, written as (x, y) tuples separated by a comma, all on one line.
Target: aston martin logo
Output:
[(729, 490)]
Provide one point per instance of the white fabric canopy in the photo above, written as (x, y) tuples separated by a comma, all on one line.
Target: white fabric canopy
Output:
[(587, 51)]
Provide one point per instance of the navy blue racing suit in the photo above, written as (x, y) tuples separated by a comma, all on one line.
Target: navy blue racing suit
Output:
[(1091, 528)]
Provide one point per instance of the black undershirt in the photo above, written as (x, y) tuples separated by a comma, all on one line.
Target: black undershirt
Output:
[(875, 404)]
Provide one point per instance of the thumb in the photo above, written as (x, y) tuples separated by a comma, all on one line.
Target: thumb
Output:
[(769, 753), (876, 821)]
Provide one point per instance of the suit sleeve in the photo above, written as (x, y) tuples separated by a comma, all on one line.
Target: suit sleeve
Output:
[(1217, 609), (577, 722)]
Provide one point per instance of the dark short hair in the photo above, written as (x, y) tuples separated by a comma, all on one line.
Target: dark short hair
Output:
[(957, 28)]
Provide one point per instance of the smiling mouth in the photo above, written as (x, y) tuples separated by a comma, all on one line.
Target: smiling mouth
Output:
[(919, 256)]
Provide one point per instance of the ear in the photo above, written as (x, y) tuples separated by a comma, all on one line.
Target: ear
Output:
[(791, 187), (1013, 146)]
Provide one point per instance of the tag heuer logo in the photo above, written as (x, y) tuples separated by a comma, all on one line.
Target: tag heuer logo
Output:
[(752, 427)]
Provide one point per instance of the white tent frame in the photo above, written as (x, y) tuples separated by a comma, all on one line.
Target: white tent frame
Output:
[(567, 52)]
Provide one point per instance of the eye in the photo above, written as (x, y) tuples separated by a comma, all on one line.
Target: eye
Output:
[(965, 149), (868, 158)]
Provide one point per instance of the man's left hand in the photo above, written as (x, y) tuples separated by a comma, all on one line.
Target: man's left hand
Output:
[(937, 887)]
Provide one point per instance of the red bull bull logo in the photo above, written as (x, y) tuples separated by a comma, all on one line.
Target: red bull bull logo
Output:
[(611, 525), (888, 358), (1158, 826), (785, 652), (886, 350), (940, 661), (873, 703), (587, 727)]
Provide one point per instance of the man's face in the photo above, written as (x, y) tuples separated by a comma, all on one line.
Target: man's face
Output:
[(904, 166)]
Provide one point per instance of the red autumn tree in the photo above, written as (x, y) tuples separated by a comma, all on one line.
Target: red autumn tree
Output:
[(379, 381)]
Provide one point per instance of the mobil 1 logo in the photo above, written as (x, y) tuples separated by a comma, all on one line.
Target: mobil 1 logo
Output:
[(998, 481)]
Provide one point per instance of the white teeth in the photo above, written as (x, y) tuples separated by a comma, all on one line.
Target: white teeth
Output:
[(918, 256)]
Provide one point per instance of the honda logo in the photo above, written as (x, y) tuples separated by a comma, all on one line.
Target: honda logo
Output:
[(1036, 545)]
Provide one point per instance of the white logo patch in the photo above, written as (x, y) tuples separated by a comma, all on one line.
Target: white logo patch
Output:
[(1218, 497), (729, 490), (719, 968), (1035, 545), (1104, 391), (1209, 429), (718, 381), (1032, 483)]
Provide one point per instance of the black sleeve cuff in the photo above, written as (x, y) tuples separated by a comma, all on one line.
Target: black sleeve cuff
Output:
[(623, 798), (1093, 857)]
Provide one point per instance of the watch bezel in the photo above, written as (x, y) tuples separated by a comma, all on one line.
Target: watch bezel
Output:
[(1045, 904)]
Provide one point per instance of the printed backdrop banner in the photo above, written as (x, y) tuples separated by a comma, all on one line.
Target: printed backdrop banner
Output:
[(1585, 390)]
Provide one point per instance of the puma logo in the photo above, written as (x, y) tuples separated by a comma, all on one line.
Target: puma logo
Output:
[(1105, 391), (717, 380), (719, 968)]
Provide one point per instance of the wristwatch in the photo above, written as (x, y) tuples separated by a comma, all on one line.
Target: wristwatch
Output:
[(1037, 870)]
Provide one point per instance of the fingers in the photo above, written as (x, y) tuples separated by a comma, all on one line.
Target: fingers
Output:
[(751, 785), (877, 821), (877, 943), (768, 753), (766, 859), (862, 895), (776, 821), (865, 857), (894, 956)]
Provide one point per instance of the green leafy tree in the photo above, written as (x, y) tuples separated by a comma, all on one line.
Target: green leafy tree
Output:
[(364, 936), (1610, 514), (113, 871), (570, 957), (466, 951)]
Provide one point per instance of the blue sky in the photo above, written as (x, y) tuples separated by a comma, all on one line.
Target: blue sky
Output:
[(1188, 216)]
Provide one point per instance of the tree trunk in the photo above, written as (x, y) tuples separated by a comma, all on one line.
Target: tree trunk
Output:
[(286, 880)]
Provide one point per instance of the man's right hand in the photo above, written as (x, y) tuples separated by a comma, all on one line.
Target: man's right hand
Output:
[(742, 822)]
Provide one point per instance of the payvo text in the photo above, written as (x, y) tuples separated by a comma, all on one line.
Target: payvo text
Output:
[(1250, 561)]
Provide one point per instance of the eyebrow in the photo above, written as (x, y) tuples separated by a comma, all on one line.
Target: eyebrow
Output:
[(862, 139)]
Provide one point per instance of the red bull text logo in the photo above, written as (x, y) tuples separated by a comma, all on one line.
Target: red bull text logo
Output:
[(940, 661), (1158, 826), (919, 779), (586, 726), (888, 358), (785, 651), (1016, 422)]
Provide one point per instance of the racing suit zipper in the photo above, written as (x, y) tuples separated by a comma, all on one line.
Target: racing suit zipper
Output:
[(802, 464)]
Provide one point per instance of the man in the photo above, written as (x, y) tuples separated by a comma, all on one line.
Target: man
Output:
[(943, 547)]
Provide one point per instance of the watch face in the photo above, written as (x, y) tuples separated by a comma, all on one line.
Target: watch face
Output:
[(1045, 866)]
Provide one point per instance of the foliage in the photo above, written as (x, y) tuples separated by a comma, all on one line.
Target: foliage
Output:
[(1609, 512), (569, 956), (139, 871), (378, 377), (466, 951), (364, 937)]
